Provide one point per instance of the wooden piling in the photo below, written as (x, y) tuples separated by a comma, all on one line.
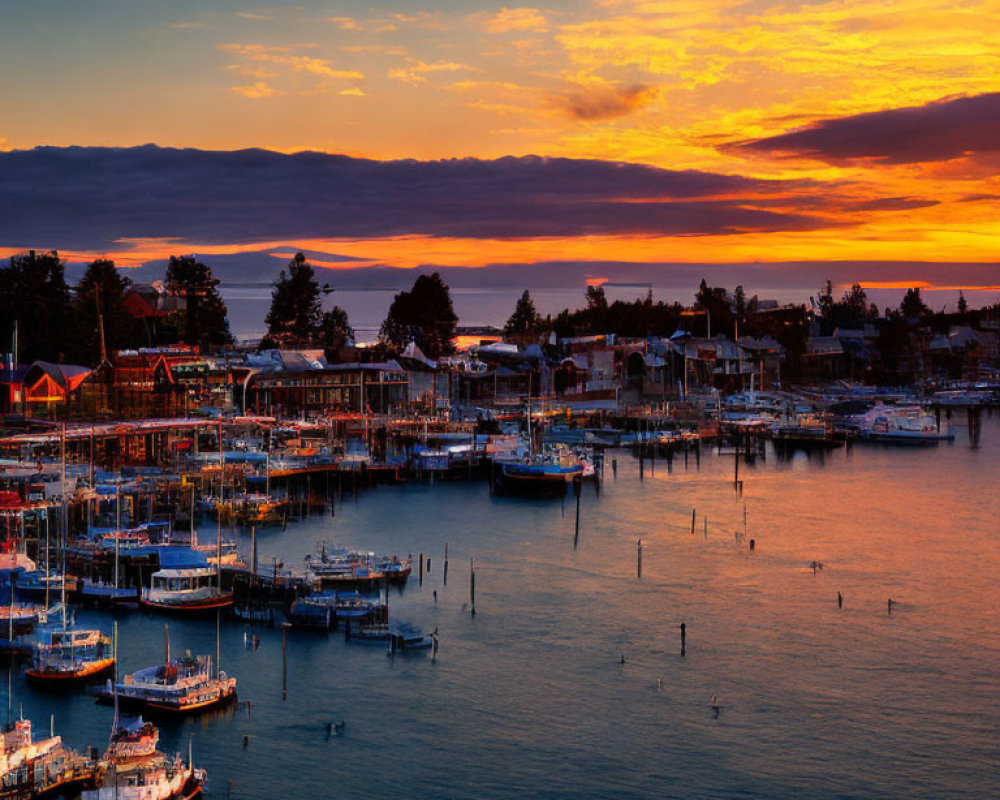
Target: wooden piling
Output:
[(421, 570), (576, 534), (472, 585), (638, 563), (683, 639), (445, 577), (284, 659), (693, 512)]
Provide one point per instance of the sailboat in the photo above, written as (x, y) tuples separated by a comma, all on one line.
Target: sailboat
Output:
[(64, 654)]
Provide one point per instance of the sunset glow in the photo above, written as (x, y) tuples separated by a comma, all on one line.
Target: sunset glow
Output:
[(881, 124)]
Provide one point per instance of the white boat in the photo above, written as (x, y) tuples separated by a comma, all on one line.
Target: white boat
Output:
[(900, 424), (180, 686), (133, 769), (185, 583)]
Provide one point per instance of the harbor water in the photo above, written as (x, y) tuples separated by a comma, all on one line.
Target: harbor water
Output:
[(569, 680)]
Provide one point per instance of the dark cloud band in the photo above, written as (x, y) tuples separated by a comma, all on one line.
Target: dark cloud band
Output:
[(939, 131), (88, 198)]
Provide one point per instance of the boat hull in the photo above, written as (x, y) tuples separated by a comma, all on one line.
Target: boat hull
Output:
[(90, 672), (200, 606), (156, 710)]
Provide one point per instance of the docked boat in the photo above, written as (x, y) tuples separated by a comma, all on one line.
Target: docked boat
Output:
[(185, 583), (176, 688), (398, 636), (899, 425), (346, 570), (539, 477), (36, 768), (104, 593), (133, 769), (18, 618), (323, 610), (65, 656)]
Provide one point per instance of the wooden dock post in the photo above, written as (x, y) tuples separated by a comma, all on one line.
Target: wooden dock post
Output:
[(614, 468), (445, 578), (421, 572), (693, 512), (683, 639), (576, 533), (638, 563), (472, 585), (284, 659)]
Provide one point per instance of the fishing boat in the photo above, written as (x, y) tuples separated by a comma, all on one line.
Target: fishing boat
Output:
[(185, 583), (177, 687), (133, 769), (68, 655), (37, 768)]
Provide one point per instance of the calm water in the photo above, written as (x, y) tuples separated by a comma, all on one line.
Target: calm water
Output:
[(529, 698)]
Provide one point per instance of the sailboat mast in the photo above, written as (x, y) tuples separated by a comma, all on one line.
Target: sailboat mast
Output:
[(118, 530), (222, 485), (64, 530)]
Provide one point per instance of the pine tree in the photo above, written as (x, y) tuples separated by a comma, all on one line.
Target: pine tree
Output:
[(34, 295), (99, 313), (425, 314), (202, 321), (296, 314), (525, 319)]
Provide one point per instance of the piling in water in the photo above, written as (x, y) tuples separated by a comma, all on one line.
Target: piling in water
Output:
[(638, 563), (284, 660), (683, 639)]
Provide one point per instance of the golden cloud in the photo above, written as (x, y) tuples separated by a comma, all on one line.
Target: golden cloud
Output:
[(257, 90), (516, 19)]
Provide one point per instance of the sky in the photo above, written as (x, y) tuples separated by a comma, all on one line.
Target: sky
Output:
[(476, 133)]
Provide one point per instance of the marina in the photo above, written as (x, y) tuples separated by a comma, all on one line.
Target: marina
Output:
[(548, 584)]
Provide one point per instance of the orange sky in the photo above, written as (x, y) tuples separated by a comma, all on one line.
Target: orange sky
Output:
[(668, 83)]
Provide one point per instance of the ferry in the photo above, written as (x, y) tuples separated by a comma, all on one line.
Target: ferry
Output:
[(176, 688), (133, 769), (67, 656)]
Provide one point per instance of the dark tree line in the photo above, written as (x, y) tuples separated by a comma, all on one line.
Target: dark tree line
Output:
[(91, 321)]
